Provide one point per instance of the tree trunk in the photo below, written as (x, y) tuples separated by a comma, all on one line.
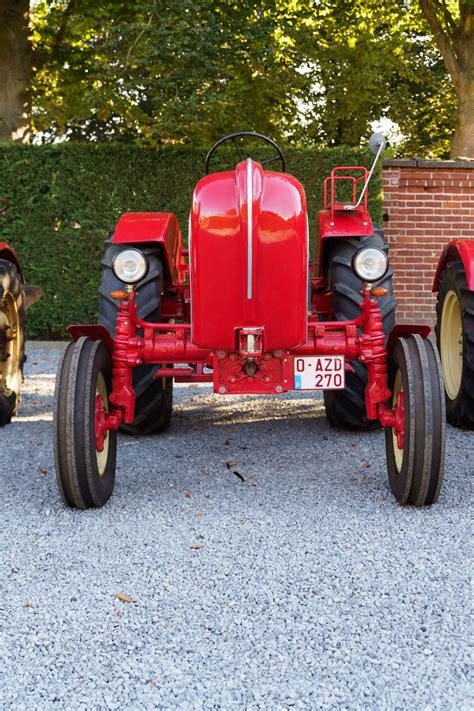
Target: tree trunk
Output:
[(462, 145), (15, 70)]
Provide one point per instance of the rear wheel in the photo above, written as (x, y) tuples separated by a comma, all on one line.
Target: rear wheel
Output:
[(12, 340), (84, 452), (154, 396), (346, 408), (455, 337), (415, 465)]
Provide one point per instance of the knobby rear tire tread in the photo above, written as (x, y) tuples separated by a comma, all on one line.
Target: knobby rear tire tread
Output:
[(346, 408), (154, 396)]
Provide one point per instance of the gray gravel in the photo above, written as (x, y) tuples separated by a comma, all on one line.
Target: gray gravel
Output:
[(311, 587)]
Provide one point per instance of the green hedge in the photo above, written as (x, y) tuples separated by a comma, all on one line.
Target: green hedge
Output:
[(65, 198)]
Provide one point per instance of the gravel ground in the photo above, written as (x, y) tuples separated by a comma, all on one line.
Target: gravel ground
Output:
[(304, 586)]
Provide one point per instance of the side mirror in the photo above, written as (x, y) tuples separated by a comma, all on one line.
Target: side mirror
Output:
[(377, 143)]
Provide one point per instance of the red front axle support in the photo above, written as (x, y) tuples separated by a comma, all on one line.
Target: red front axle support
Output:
[(166, 343)]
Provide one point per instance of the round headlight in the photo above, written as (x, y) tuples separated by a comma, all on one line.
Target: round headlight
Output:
[(370, 264), (130, 266)]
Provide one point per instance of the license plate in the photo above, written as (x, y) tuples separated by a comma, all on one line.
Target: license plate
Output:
[(319, 373)]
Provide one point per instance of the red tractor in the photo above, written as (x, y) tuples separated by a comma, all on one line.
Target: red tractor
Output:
[(15, 298), (454, 282), (246, 310)]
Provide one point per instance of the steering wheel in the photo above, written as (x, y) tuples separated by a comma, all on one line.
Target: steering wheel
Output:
[(233, 138)]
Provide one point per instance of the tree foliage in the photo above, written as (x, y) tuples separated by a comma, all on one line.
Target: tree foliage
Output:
[(307, 72)]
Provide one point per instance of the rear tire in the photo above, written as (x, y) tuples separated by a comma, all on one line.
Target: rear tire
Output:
[(12, 340), (415, 472), (346, 408), (455, 338), (85, 476), (154, 396)]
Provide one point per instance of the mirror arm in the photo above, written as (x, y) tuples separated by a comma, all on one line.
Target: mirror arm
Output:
[(366, 186)]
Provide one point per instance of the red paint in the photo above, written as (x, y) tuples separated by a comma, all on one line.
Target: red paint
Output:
[(399, 425), (457, 249), (333, 220), (159, 227), (171, 343), (100, 423), (219, 258)]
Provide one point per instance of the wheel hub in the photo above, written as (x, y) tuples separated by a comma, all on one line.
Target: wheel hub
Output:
[(451, 342), (398, 404), (400, 420), (100, 423)]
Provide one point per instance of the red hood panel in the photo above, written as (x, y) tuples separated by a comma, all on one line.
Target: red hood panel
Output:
[(249, 277)]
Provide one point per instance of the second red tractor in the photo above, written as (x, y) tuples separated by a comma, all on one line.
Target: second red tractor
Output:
[(246, 310)]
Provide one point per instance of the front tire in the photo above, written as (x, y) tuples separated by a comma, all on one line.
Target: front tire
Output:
[(85, 475), (12, 340), (415, 471), (346, 408), (455, 338), (154, 396)]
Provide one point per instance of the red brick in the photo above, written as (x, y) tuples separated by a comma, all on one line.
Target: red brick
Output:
[(427, 207)]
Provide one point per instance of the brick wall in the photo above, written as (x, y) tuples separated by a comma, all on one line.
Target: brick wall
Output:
[(426, 204)]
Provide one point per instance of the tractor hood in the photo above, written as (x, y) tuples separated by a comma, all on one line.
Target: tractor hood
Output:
[(249, 258)]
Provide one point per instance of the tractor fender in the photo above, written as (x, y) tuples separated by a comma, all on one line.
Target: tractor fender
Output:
[(154, 228), (346, 224), (94, 331), (402, 330), (462, 249), (8, 254)]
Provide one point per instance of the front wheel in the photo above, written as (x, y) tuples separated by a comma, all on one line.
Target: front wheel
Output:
[(85, 453), (416, 465)]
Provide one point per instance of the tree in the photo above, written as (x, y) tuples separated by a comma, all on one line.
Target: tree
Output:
[(453, 31), (369, 60), (15, 69), (187, 71), (160, 72)]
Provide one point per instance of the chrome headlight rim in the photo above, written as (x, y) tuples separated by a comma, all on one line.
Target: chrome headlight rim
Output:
[(141, 261), (365, 276)]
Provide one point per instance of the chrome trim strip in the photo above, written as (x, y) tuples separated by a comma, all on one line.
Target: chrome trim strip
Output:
[(249, 229)]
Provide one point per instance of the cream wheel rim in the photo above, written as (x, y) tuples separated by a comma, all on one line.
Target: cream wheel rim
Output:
[(10, 365), (102, 457), (397, 452), (451, 344)]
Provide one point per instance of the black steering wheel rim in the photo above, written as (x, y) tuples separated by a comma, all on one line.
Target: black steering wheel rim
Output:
[(233, 137)]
